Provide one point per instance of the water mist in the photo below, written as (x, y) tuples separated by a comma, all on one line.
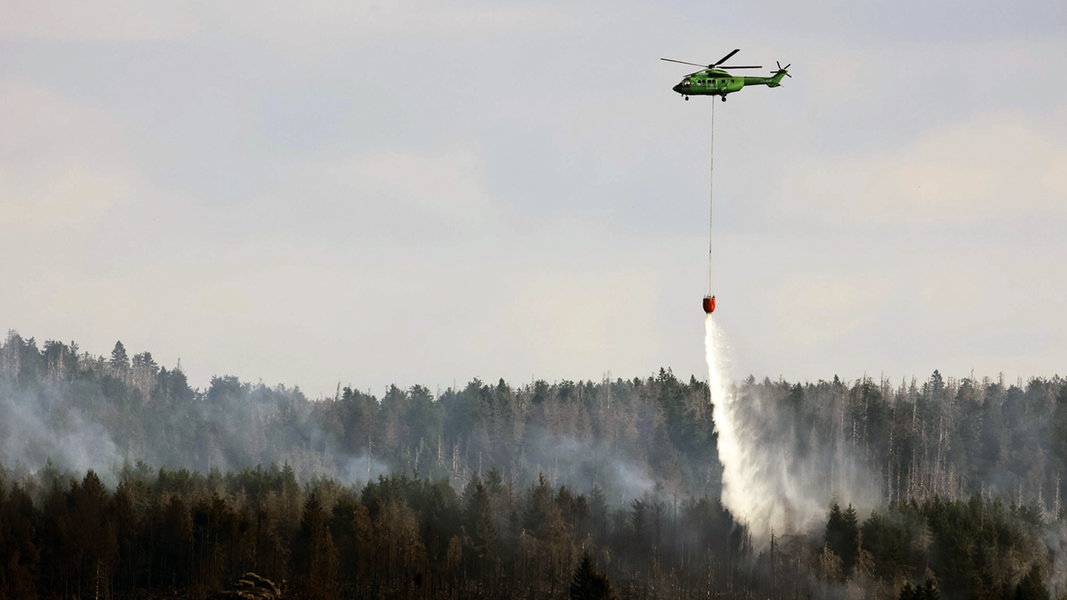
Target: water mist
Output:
[(776, 478)]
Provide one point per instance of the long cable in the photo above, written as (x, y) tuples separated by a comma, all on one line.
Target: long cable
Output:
[(711, 190)]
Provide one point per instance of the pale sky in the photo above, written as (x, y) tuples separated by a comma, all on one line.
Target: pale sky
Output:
[(367, 193)]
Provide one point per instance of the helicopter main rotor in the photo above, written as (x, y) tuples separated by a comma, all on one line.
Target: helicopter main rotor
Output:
[(716, 64)]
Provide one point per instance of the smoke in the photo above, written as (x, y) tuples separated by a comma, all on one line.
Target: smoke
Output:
[(777, 477), (582, 464), (357, 469), (1056, 538), (36, 430)]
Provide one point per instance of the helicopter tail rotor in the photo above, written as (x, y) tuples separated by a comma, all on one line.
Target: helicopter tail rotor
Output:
[(782, 69)]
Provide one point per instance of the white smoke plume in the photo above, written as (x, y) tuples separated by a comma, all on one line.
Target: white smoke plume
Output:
[(37, 429), (1056, 538), (777, 478)]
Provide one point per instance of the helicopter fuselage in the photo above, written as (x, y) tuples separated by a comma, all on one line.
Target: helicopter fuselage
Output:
[(717, 82)]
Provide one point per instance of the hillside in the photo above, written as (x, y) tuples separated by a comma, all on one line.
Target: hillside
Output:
[(502, 488)]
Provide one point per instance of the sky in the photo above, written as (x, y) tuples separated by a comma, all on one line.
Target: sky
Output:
[(320, 193)]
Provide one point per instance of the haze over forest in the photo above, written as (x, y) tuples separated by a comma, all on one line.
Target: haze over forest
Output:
[(627, 461)]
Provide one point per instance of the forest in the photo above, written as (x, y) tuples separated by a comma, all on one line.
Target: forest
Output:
[(120, 480)]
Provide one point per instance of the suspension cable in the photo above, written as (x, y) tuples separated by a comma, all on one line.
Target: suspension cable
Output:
[(711, 189)]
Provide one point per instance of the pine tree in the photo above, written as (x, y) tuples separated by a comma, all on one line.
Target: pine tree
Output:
[(119, 360), (315, 560), (1032, 587), (587, 584), (842, 536), (481, 530)]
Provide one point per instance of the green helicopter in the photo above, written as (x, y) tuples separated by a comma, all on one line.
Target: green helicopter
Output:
[(714, 80)]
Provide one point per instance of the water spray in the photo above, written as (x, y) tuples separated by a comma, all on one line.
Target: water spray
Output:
[(777, 477)]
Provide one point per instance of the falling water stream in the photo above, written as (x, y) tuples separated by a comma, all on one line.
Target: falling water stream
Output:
[(777, 478)]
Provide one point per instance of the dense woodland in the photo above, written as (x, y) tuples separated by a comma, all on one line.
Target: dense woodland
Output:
[(119, 480)]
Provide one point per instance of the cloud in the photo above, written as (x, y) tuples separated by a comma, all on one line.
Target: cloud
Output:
[(397, 187), (391, 199), (107, 20), (286, 184), (63, 164), (314, 26), (827, 306), (562, 313), (320, 25), (69, 196), (978, 170)]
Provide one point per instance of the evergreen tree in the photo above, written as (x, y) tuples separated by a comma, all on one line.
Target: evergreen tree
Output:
[(927, 591), (1032, 587), (351, 529), (842, 536), (119, 360), (19, 557), (315, 560), (587, 584), (480, 528)]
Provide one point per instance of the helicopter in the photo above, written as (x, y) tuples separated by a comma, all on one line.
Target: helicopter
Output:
[(713, 80)]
